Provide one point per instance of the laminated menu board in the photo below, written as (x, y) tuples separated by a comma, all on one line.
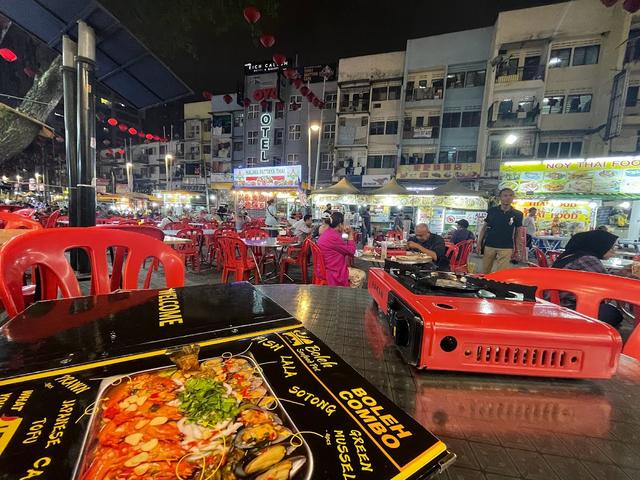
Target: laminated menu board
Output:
[(257, 400)]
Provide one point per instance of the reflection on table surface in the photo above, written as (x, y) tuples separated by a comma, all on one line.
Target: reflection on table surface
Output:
[(501, 427)]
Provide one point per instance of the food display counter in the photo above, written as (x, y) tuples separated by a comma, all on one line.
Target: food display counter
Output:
[(216, 382)]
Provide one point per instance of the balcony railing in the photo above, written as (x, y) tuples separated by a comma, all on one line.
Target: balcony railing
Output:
[(421, 133), (513, 119), (508, 74), (419, 94), (351, 107)]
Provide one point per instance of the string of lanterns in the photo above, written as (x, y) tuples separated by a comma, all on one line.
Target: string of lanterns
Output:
[(133, 132)]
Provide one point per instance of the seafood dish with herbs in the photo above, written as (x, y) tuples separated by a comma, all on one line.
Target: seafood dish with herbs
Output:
[(214, 420)]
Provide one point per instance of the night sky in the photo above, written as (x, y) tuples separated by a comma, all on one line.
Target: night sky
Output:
[(206, 42)]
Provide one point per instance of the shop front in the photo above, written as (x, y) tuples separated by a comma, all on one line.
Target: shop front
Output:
[(253, 187), (575, 195)]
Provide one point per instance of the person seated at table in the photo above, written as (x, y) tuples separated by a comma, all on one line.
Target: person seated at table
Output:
[(461, 233), (321, 227), (430, 244), (336, 250), (167, 219), (243, 218), (302, 228), (584, 252)]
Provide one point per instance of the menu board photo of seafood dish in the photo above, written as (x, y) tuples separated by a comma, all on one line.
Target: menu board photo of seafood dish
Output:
[(215, 419)]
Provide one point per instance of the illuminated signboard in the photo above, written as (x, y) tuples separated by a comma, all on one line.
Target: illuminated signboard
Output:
[(265, 143), (287, 176)]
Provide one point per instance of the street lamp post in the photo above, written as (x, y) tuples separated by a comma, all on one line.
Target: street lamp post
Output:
[(129, 166), (168, 158), (314, 127)]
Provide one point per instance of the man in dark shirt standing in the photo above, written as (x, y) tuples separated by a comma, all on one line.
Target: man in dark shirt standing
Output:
[(431, 244), (498, 231)]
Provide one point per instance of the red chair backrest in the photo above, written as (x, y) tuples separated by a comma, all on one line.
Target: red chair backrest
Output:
[(195, 234), (52, 221), (234, 252), (210, 225), (540, 257), (553, 256), (319, 270), (464, 250), (452, 254), (176, 226), (228, 225), (46, 249), (25, 212), (254, 233), (13, 220), (394, 234)]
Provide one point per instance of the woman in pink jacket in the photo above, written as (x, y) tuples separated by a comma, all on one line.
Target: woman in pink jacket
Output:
[(336, 244)]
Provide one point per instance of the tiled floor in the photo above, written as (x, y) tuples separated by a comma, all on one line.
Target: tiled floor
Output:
[(500, 427)]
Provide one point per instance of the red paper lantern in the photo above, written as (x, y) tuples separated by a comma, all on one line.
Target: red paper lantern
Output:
[(267, 40), (609, 3), (141, 134), (148, 136), (122, 127), (109, 152), (156, 138), (133, 131), (8, 55), (631, 6), (121, 151), (251, 14), (246, 102), (206, 94), (112, 121), (227, 99), (279, 59)]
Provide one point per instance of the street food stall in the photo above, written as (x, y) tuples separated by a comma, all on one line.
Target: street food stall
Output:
[(179, 201), (575, 195), (253, 187), (211, 381), (127, 203)]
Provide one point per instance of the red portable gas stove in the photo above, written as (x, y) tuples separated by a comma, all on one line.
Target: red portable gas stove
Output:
[(444, 321)]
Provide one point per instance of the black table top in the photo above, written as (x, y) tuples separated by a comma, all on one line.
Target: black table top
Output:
[(501, 427)]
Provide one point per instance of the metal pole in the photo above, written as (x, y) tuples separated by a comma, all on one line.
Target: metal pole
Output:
[(69, 51), (86, 125), (308, 156), (315, 179)]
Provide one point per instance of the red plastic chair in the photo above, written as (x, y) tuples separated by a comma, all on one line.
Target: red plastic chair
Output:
[(26, 212), (52, 221), (296, 256), (191, 251), (319, 270), (119, 254), (236, 259), (13, 220), (452, 254), (553, 256), (541, 258), (214, 252), (45, 250), (459, 263), (176, 226), (590, 290)]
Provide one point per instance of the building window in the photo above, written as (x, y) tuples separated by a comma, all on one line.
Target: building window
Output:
[(578, 103), (238, 120), (252, 137), (206, 148), (163, 148), (277, 160), (326, 162), (560, 57), (632, 97), (451, 120), (237, 146), (456, 80), (559, 149), (251, 162), (329, 131), (379, 94), (253, 111), (394, 92), (279, 110), (476, 78), (292, 159), (466, 156), (552, 105), (295, 100), (363, 122), (391, 127), (330, 100), (447, 156), (586, 55), (381, 161), (376, 128), (470, 119), (294, 132), (266, 106), (278, 136)]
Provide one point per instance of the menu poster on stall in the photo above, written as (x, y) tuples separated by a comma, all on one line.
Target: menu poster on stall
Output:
[(452, 216), (608, 175), (568, 217), (433, 217)]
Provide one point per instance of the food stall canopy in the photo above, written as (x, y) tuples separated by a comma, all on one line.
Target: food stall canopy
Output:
[(123, 63), (392, 187), (45, 130), (454, 187), (343, 187)]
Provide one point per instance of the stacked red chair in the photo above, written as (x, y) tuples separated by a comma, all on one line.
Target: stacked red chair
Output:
[(236, 260), (190, 251)]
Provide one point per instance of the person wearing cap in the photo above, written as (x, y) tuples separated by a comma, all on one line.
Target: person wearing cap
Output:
[(327, 210), (461, 233)]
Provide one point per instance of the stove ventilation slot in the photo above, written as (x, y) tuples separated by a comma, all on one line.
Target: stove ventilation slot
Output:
[(525, 356)]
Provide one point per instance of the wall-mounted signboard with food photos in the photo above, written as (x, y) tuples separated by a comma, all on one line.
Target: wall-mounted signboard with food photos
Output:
[(600, 176)]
